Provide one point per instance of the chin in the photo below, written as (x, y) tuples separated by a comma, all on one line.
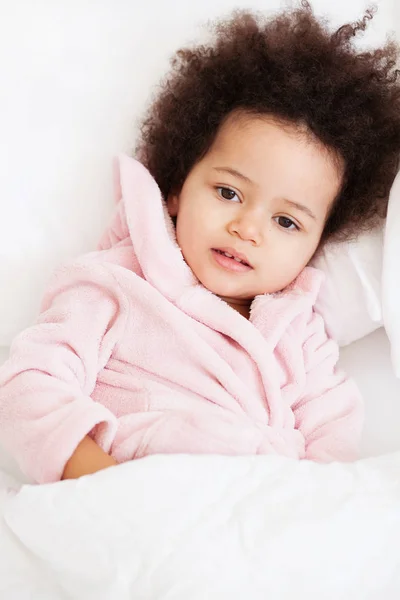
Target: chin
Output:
[(229, 288), (217, 289), (226, 291)]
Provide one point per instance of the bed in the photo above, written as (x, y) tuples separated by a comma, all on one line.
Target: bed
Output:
[(165, 527)]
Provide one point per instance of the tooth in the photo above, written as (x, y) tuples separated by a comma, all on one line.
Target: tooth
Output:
[(228, 255), (238, 260)]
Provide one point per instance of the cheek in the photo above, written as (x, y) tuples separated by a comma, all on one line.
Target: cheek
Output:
[(304, 254), (293, 254), (189, 231), (193, 221)]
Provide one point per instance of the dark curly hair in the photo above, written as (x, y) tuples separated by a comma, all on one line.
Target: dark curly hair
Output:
[(294, 68)]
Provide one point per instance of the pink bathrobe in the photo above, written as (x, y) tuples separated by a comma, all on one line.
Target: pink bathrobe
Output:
[(132, 350)]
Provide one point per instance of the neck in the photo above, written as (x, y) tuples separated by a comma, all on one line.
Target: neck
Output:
[(241, 306)]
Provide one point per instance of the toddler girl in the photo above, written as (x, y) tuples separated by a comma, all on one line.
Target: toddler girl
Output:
[(192, 328)]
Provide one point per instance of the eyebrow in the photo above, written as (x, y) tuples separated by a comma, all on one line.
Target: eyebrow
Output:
[(235, 173), (301, 207), (240, 175)]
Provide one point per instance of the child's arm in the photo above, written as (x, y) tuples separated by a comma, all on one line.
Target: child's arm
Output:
[(88, 458), (46, 408), (329, 413)]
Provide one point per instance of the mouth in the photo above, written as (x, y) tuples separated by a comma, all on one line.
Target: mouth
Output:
[(231, 260)]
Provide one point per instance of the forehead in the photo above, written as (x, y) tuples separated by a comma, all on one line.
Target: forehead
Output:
[(279, 158)]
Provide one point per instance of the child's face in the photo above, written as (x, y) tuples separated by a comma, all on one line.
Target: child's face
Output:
[(263, 192)]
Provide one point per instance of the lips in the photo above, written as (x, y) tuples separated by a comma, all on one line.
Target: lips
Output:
[(231, 253), (230, 260)]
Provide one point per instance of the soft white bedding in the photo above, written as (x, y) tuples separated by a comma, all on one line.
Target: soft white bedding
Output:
[(196, 527), (368, 361), (208, 527)]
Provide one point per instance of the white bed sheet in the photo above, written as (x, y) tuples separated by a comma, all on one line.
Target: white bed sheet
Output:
[(368, 361)]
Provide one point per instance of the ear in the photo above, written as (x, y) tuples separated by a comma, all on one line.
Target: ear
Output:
[(173, 205)]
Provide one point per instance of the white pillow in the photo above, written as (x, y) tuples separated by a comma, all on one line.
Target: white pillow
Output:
[(391, 274), (350, 297)]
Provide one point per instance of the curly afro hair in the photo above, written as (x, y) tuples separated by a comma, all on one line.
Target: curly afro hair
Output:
[(293, 68)]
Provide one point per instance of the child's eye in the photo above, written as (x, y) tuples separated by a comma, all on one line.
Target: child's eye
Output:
[(287, 223), (227, 194)]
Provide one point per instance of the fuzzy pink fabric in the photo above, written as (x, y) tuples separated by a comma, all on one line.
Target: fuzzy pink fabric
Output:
[(130, 348)]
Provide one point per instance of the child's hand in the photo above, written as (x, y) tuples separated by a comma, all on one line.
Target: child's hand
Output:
[(88, 458)]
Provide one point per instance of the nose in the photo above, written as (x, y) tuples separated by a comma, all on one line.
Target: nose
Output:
[(248, 225)]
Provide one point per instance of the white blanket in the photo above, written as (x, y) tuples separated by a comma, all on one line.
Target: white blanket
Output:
[(206, 527)]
